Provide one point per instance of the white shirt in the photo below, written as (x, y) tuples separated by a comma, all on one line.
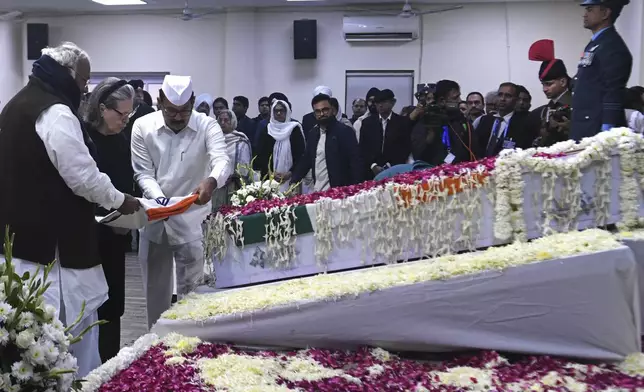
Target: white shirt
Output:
[(321, 173), (168, 164), (502, 126), (61, 134), (358, 124)]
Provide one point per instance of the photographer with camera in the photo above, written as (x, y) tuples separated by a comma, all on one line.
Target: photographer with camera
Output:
[(444, 135), (550, 123)]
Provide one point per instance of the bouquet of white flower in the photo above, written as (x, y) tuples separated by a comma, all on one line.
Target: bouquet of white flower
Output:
[(264, 189), (34, 344), (260, 190)]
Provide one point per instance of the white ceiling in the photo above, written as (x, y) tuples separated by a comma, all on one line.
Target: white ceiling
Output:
[(87, 6)]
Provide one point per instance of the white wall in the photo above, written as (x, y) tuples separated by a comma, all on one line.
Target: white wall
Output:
[(10, 61), (251, 53)]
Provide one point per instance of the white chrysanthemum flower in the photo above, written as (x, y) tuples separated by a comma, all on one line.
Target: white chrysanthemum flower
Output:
[(6, 311), (249, 198), (4, 336), (50, 312), (51, 351), (22, 371), (25, 339), (53, 333), (37, 355), (25, 320)]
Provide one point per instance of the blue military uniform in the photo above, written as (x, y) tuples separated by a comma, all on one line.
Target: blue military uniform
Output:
[(600, 84)]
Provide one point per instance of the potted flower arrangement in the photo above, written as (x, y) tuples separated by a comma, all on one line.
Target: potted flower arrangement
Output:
[(34, 344)]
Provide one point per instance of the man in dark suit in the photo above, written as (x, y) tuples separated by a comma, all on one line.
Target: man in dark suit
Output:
[(550, 123), (245, 124), (604, 70), (385, 139), (332, 152), (505, 130)]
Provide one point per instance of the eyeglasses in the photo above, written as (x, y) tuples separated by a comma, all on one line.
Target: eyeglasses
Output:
[(126, 115), (76, 74), (173, 112), (320, 112)]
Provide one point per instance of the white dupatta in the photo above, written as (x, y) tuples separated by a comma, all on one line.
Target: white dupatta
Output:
[(281, 132)]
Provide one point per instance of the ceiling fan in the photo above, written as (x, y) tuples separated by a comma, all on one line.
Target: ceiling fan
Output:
[(408, 11), (187, 14)]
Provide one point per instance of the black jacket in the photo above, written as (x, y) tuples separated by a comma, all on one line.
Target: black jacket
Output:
[(397, 143), (342, 156), (457, 136), (308, 122), (537, 119), (600, 85), (265, 149), (516, 133)]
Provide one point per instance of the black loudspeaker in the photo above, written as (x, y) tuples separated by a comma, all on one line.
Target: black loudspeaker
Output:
[(305, 39), (37, 39)]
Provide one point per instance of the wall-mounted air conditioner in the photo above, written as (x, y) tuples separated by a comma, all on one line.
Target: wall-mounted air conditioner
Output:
[(380, 28)]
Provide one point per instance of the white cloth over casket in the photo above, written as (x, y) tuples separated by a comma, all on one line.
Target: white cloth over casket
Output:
[(584, 306)]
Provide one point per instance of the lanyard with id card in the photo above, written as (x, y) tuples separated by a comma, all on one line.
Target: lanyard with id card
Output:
[(447, 143)]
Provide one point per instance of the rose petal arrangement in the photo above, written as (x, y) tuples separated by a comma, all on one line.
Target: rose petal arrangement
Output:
[(440, 210), (330, 287), (184, 364)]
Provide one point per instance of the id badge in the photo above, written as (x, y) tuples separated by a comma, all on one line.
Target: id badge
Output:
[(450, 158), (509, 144)]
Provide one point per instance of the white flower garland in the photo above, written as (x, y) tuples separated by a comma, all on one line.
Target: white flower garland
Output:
[(280, 236), (328, 287), (509, 220), (122, 361)]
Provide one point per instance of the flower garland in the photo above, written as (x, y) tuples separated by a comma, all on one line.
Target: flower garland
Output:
[(184, 364), (330, 287), (280, 236), (572, 159)]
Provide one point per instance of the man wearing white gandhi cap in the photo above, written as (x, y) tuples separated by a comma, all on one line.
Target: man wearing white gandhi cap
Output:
[(176, 151)]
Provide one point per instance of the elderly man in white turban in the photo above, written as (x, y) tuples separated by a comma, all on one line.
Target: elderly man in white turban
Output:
[(176, 151)]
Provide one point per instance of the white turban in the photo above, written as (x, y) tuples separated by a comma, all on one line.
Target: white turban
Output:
[(326, 90)]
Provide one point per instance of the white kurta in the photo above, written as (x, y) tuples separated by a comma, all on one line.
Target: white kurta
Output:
[(168, 164), (61, 134)]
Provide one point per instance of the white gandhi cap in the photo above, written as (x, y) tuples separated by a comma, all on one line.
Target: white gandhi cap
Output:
[(177, 89)]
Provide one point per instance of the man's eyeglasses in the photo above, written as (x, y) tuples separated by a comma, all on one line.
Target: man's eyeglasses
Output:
[(76, 74), (125, 115), (323, 111), (173, 112)]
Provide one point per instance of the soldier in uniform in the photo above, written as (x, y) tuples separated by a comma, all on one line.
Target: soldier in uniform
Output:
[(604, 69), (550, 123)]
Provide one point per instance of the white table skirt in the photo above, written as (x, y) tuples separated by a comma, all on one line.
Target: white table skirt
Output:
[(585, 306), (637, 246), (241, 267)]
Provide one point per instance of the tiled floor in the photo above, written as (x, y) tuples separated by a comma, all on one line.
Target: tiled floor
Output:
[(133, 323)]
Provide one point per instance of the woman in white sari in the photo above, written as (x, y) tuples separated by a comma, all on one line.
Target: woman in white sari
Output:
[(281, 142), (239, 150)]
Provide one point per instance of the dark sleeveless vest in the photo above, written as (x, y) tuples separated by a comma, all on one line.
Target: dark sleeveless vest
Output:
[(35, 203)]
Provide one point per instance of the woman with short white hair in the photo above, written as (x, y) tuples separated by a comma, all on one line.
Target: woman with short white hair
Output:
[(109, 109)]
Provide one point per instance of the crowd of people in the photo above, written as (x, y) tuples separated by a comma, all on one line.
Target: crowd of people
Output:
[(64, 159)]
